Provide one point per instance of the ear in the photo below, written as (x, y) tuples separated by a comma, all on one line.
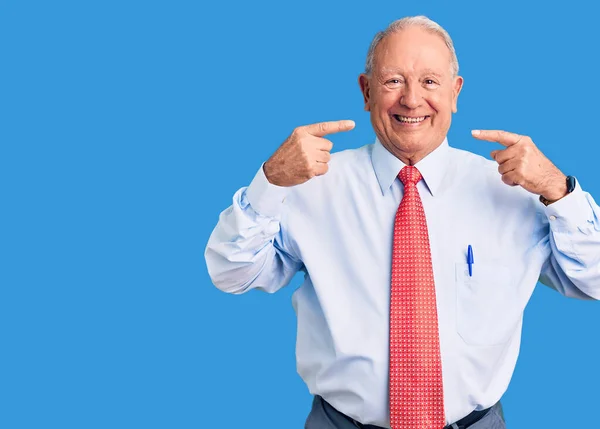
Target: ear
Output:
[(363, 82), (456, 87)]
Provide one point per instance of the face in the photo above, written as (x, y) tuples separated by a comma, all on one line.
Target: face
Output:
[(411, 93)]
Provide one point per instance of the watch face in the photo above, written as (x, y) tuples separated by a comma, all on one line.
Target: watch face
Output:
[(570, 184)]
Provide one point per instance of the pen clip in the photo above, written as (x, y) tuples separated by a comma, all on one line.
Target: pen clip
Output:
[(470, 260)]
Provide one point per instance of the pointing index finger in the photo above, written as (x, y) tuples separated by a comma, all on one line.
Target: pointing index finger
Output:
[(321, 129), (503, 137)]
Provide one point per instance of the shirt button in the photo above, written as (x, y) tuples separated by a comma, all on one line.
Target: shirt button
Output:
[(552, 217)]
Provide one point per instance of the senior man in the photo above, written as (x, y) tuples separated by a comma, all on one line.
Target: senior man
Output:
[(419, 260)]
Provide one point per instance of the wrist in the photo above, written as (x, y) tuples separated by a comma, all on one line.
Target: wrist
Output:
[(565, 186), (557, 191), (267, 171)]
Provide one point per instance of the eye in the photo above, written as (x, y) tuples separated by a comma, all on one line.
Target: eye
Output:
[(430, 82), (393, 82)]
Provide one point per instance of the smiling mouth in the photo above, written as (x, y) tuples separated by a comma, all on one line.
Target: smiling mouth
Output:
[(410, 119)]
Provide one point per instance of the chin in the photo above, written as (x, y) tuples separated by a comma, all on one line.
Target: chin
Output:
[(411, 141)]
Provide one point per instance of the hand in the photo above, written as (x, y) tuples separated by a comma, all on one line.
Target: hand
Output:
[(304, 154), (522, 163)]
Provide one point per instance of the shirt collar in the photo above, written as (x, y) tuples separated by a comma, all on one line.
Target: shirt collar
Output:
[(433, 167)]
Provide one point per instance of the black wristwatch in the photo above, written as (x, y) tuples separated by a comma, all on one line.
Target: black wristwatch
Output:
[(570, 188)]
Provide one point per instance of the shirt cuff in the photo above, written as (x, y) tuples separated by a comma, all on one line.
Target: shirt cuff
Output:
[(571, 210), (264, 197)]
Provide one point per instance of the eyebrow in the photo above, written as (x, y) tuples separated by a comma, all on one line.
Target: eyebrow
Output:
[(399, 71), (433, 72)]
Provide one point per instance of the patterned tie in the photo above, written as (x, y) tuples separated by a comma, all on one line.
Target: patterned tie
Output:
[(416, 394)]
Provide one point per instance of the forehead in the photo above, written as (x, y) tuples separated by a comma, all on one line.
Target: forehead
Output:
[(412, 50)]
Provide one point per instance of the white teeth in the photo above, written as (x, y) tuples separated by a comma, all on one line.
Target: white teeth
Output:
[(410, 120)]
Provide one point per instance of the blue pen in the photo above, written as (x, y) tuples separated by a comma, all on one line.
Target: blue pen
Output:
[(470, 260)]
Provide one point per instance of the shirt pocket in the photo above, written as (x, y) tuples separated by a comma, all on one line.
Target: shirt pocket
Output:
[(484, 304)]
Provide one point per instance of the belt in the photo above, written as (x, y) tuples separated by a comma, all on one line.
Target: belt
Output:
[(467, 421), (463, 423)]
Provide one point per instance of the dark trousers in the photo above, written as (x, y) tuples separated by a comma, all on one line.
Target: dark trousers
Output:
[(324, 416)]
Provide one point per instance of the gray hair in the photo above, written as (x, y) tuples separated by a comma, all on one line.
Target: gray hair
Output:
[(417, 21)]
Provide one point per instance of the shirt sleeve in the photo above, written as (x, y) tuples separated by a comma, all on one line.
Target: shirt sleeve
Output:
[(573, 268), (248, 248)]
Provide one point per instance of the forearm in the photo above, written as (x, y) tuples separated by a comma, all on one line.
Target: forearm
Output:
[(247, 248), (575, 243)]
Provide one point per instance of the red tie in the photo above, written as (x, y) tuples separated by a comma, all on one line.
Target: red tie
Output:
[(416, 394)]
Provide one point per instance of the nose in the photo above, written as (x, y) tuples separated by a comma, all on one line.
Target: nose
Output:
[(411, 97)]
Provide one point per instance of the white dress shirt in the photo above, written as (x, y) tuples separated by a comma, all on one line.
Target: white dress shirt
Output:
[(338, 229)]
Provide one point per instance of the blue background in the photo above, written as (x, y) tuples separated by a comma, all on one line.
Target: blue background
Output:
[(126, 127)]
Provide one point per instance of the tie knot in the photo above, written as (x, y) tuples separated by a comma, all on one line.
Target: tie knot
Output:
[(409, 174)]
